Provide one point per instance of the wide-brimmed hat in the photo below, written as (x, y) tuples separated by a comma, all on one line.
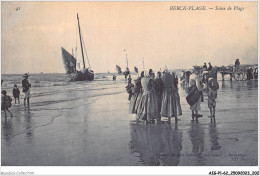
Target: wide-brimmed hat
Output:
[(25, 75)]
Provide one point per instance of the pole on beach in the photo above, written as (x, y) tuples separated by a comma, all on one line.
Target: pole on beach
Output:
[(143, 66), (126, 60)]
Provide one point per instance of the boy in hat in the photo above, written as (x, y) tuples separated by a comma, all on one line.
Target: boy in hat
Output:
[(205, 67), (26, 89), (6, 102), (16, 94)]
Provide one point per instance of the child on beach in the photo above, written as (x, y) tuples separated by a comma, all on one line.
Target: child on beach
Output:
[(6, 102), (212, 95), (16, 94)]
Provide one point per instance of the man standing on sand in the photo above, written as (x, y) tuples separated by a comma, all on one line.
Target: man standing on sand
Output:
[(237, 64), (210, 67), (205, 67), (26, 89)]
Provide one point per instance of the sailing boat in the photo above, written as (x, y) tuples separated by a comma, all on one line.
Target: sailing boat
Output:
[(70, 61), (126, 72), (118, 69), (136, 70)]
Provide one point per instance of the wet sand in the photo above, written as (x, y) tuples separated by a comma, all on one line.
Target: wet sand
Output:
[(100, 132)]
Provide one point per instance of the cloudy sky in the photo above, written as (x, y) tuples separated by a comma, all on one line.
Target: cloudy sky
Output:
[(32, 37)]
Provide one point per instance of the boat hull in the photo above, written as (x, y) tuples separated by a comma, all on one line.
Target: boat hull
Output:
[(126, 73)]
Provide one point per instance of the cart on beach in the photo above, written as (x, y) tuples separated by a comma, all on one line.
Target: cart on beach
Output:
[(241, 72)]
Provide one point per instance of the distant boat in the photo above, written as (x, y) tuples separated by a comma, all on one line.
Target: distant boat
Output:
[(118, 69), (70, 63), (136, 69), (126, 72)]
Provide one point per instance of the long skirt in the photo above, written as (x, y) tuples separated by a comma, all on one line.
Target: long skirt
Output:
[(132, 103), (148, 108), (169, 104), (179, 110), (159, 99), (138, 100), (196, 106)]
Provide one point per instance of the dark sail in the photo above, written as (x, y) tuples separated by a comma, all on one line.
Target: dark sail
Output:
[(136, 69), (118, 69), (69, 61)]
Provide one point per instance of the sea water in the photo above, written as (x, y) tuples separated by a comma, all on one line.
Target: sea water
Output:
[(52, 93)]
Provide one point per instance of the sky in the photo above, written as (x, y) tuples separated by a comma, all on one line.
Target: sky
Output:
[(32, 37)]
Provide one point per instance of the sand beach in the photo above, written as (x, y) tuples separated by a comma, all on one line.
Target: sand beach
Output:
[(88, 124)]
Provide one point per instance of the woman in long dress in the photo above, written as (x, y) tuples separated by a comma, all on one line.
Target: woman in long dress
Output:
[(148, 107), (195, 95), (158, 87), (139, 97), (136, 91), (170, 99)]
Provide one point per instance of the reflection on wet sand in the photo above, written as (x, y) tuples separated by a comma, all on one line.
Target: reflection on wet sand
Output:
[(28, 122), (197, 137), (7, 129), (213, 134), (7, 123), (156, 145), (225, 83)]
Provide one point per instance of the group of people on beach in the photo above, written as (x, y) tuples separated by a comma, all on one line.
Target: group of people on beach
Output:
[(152, 98), (6, 100), (204, 71)]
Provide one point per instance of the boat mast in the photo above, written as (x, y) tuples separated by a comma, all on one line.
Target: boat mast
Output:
[(76, 45), (81, 43), (126, 62), (143, 65)]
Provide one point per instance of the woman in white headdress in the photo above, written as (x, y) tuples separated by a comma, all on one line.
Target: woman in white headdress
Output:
[(148, 107), (194, 97)]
